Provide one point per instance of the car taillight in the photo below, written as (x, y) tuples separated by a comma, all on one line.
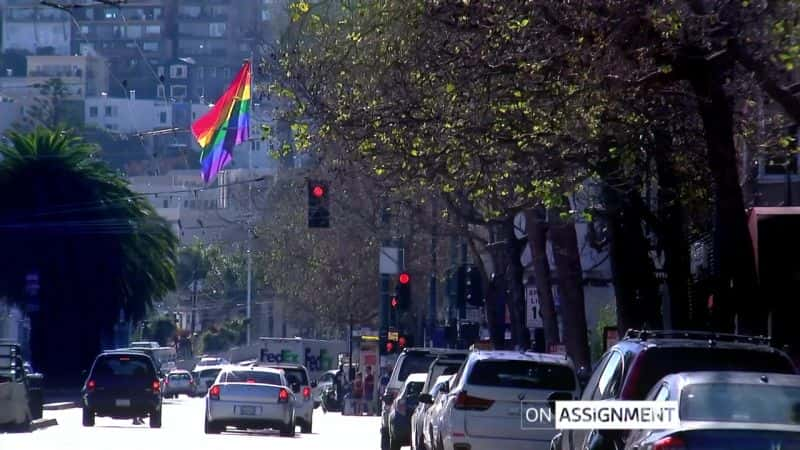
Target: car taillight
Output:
[(631, 389), (283, 396), (467, 402), (250, 380), (670, 443), (156, 386), (90, 385), (306, 393), (213, 393)]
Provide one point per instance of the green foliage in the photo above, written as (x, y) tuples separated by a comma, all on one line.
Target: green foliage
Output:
[(98, 247), (606, 318), (220, 339), (161, 329)]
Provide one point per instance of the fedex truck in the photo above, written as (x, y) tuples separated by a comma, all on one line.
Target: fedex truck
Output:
[(317, 355)]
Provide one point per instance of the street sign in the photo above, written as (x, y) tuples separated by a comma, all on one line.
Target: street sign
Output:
[(533, 315), (389, 263)]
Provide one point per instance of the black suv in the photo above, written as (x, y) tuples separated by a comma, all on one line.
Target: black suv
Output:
[(122, 385), (634, 365)]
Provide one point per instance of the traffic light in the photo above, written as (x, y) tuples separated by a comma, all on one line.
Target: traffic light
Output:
[(404, 291), (394, 303), (474, 288), (390, 347), (319, 211), (401, 343)]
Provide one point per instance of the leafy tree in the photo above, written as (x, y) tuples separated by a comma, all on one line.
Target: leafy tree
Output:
[(52, 107), (161, 329), (98, 248)]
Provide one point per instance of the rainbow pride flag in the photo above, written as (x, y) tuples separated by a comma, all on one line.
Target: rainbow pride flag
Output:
[(225, 126)]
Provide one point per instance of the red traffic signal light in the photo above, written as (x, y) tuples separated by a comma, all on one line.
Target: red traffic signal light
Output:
[(389, 347), (394, 303), (404, 278), (317, 191), (401, 341)]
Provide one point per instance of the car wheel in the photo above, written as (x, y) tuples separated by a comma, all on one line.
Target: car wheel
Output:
[(288, 431), (305, 428), (155, 419), (212, 428), (88, 417)]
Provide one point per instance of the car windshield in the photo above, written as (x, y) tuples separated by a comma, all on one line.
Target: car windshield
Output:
[(252, 376), (415, 363), (522, 374), (123, 367), (660, 362), (730, 402)]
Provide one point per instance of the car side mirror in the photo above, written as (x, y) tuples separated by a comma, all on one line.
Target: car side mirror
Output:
[(445, 388), (425, 398), (557, 396)]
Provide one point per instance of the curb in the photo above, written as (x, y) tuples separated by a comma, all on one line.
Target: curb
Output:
[(60, 405), (39, 424)]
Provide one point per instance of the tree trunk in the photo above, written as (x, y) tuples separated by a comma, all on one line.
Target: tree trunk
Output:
[(672, 236), (516, 288), (733, 247), (536, 225), (570, 280)]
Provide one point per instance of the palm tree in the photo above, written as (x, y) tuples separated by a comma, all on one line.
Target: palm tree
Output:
[(98, 248)]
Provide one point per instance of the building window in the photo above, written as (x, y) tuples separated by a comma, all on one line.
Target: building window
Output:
[(160, 71), (177, 91), (152, 29), (84, 29), (134, 32), (162, 116), (186, 203), (111, 13), (177, 71), (150, 46), (216, 29), (212, 72), (166, 203), (93, 111), (200, 92), (226, 72), (160, 91), (109, 111)]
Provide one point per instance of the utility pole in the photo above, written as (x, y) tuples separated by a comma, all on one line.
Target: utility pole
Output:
[(249, 222)]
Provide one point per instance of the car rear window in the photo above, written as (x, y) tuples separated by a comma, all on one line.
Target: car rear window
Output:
[(179, 376), (209, 373), (295, 376), (415, 363), (123, 366), (522, 375), (412, 390), (251, 376), (660, 362), (731, 402)]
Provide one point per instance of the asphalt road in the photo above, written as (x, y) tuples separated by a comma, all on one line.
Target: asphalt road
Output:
[(183, 429)]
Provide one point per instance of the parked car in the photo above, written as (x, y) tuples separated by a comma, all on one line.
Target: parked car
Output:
[(250, 398), (403, 407), (301, 386), (635, 364), (483, 410), (326, 379), (726, 410), (422, 430), (178, 382), (411, 360), (443, 365), (203, 379), (17, 409), (122, 385), (209, 361)]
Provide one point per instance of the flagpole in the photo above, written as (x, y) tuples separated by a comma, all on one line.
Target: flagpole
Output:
[(250, 212)]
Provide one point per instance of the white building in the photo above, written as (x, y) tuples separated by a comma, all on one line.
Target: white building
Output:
[(127, 115), (31, 27)]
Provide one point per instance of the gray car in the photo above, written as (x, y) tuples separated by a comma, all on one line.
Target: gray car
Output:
[(726, 410), (178, 382)]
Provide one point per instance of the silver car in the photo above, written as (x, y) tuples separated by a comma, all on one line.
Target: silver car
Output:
[(250, 398), (178, 382)]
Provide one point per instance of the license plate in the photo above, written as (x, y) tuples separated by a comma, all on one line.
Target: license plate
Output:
[(247, 410), (122, 402)]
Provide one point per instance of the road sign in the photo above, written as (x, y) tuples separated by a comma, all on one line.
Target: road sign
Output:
[(533, 314), (389, 262)]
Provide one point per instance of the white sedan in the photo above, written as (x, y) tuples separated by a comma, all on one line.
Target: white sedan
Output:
[(250, 398)]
